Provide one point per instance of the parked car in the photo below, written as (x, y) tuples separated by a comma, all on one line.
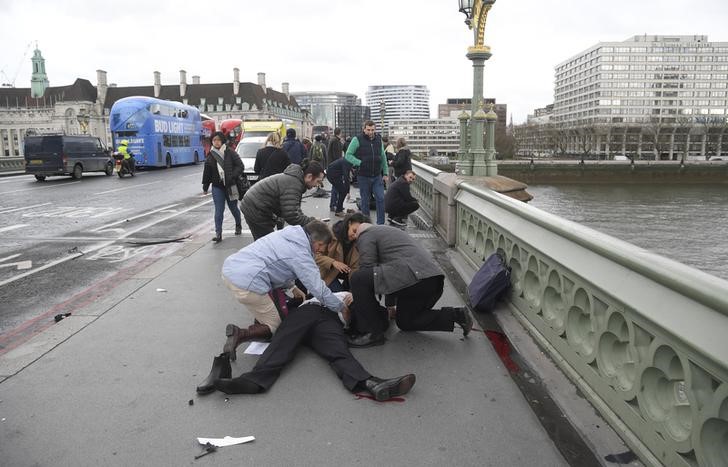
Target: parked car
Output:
[(247, 149), (719, 158), (66, 155)]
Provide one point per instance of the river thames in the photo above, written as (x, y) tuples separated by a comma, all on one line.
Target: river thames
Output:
[(687, 223)]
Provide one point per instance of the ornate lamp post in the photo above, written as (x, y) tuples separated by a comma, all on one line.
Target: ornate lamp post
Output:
[(83, 120), (476, 13)]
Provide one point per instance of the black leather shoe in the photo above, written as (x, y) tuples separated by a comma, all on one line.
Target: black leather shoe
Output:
[(366, 340), (238, 230), (239, 385), (217, 238), (385, 389), (220, 369)]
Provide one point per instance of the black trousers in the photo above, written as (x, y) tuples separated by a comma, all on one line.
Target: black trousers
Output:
[(321, 330), (415, 304), (257, 228), (403, 209)]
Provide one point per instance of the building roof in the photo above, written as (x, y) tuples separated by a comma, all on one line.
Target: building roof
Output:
[(250, 93), (80, 90)]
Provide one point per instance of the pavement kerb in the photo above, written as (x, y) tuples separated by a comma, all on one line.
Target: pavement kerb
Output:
[(599, 436)]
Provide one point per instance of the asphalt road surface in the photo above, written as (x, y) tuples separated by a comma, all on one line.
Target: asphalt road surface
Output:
[(63, 240)]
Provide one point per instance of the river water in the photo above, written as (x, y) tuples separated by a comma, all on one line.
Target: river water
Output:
[(687, 223)]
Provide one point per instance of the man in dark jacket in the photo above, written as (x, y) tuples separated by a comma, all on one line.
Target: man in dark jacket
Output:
[(279, 196), (337, 173), (391, 263), (399, 202), (367, 153), (294, 148), (334, 149)]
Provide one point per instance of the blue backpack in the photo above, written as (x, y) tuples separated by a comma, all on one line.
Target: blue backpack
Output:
[(489, 284)]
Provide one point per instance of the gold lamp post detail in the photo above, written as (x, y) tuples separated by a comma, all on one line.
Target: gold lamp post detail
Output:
[(476, 13)]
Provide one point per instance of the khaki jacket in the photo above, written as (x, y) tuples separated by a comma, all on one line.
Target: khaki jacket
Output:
[(335, 252)]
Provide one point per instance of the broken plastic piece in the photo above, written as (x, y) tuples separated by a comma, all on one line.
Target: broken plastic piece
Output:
[(226, 441), (208, 449), (161, 290)]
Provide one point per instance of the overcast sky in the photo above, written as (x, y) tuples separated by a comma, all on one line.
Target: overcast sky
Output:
[(333, 46)]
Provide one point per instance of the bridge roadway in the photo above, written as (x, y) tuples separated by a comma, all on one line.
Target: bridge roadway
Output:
[(114, 384)]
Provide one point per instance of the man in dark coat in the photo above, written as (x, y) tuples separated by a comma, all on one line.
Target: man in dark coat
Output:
[(337, 173), (322, 331), (399, 202), (391, 263), (294, 148), (335, 150), (279, 196)]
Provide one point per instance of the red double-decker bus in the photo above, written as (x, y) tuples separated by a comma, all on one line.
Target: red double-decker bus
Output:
[(232, 128), (208, 128)]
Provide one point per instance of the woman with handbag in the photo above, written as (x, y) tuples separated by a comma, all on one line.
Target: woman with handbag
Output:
[(223, 170)]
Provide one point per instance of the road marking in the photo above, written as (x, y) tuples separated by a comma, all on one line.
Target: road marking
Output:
[(191, 175), (12, 209), (102, 245), (9, 257), (20, 265), (104, 227), (127, 188), (12, 227), (40, 188)]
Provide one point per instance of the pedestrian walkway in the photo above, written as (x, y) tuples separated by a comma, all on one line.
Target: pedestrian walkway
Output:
[(114, 384)]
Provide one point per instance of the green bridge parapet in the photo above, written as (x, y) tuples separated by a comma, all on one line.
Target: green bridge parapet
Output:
[(644, 337)]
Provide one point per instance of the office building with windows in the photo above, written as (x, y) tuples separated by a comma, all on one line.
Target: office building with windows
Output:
[(323, 105), (428, 137), (650, 95), (389, 103)]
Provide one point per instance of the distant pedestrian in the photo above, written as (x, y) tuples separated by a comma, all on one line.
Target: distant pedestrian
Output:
[(318, 151), (402, 161), (367, 153), (335, 150), (337, 173), (388, 148), (399, 202), (307, 145), (295, 149), (222, 169), (271, 159), (279, 196)]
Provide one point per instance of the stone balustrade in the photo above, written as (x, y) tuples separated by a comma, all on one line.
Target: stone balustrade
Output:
[(11, 164), (644, 338)]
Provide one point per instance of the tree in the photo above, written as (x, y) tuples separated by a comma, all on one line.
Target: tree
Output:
[(655, 131)]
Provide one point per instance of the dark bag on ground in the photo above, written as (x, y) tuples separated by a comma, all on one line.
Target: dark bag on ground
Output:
[(489, 284)]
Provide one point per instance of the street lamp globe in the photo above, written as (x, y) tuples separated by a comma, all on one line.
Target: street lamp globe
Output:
[(466, 7)]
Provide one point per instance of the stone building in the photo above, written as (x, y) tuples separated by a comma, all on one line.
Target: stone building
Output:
[(84, 108)]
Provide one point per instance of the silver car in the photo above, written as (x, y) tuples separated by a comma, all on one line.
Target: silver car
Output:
[(247, 149)]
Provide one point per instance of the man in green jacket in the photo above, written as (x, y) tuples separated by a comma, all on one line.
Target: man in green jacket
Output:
[(366, 152)]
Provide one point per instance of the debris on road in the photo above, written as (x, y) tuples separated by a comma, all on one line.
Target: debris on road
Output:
[(60, 316), (226, 441), (161, 290)]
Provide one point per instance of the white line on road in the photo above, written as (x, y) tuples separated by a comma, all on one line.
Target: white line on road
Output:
[(127, 188), (101, 245), (9, 257), (12, 227), (7, 210), (191, 175), (16, 180), (40, 188), (104, 227)]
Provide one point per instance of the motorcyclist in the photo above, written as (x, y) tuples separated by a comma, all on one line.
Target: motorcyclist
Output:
[(129, 160)]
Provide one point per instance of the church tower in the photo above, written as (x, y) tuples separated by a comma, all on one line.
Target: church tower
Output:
[(39, 81)]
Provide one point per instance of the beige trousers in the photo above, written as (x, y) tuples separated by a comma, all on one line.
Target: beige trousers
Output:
[(260, 306)]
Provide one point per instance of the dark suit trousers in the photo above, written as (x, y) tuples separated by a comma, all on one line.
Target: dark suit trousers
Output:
[(414, 305), (321, 330)]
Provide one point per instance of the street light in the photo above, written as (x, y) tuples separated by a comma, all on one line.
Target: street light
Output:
[(477, 161)]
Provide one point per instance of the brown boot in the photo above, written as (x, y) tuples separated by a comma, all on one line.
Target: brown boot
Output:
[(236, 336)]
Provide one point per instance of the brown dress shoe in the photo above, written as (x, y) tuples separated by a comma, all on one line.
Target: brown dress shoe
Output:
[(236, 336)]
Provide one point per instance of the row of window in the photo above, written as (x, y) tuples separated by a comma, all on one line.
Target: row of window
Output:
[(563, 78), (663, 102), (175, 141)]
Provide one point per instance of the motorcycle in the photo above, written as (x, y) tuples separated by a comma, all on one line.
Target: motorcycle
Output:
[(124, 166)]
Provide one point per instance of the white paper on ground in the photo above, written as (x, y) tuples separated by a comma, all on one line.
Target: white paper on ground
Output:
[(226, 441), (256, 348)]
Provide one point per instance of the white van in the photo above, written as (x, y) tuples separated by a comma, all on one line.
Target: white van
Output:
[(247, 149)]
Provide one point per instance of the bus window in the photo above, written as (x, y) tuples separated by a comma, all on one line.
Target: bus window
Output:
[(167, 143)]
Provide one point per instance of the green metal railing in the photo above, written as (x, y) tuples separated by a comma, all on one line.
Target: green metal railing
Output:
[(644, 337)]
